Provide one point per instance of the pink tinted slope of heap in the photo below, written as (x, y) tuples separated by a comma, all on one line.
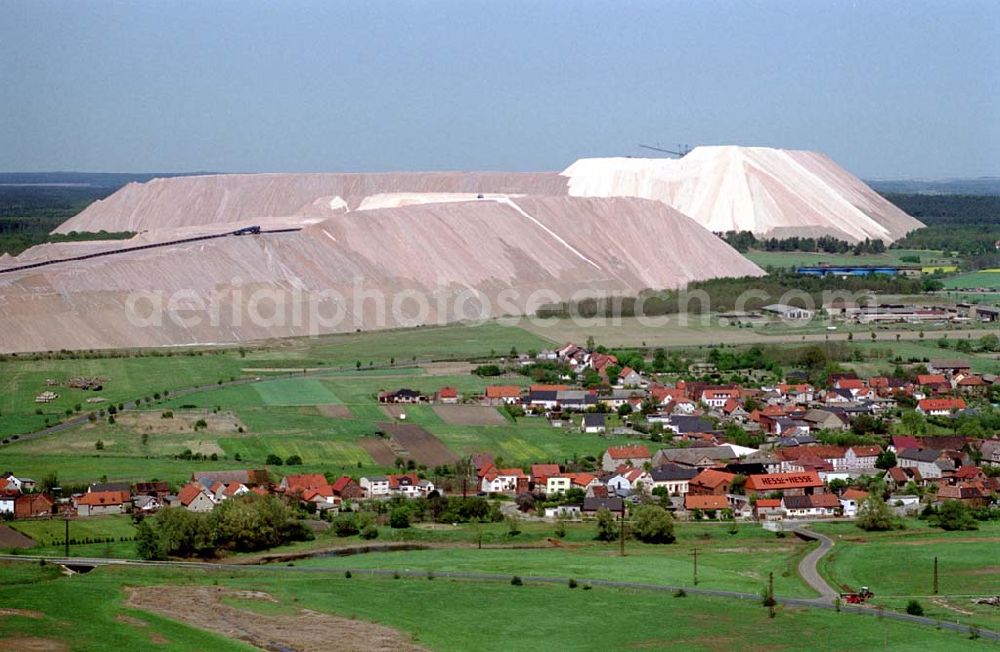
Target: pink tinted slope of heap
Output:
[(514, 253)]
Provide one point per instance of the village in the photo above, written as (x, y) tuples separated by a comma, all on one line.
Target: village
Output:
[(702, 451)]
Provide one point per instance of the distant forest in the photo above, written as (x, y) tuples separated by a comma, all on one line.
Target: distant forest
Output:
[(33, 204), (965, 224), (968, 225)]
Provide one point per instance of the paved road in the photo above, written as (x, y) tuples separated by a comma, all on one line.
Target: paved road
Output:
[(813, 603), (807, 567)]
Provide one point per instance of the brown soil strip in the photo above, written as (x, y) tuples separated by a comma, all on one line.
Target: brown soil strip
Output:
[(470, 415), (447, 368), (335, 411), (379, 450), (32, 644), (304, 631), (944, 605), (22, 612), (421, 445), (183, 422), (11, 538)]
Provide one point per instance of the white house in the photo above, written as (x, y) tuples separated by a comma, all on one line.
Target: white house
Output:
[(630, 480), (594, 423), (861, 457), (498, 481), (926, 461), (630, 378), (555, 484), (375, 486)]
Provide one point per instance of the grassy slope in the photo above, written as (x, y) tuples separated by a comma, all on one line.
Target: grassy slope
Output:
[(450, 615)]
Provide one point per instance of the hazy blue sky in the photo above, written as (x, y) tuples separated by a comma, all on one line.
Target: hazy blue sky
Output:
[(886, 89)]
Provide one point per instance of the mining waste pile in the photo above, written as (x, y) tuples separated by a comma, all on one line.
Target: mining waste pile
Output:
[(242, 257)]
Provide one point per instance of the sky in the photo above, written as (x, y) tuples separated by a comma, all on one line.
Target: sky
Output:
[(887, 89)]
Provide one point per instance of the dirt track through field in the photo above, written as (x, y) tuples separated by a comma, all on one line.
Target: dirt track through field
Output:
[(300, 629)]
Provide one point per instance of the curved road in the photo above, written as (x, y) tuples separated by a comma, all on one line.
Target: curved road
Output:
[(807, 567), (815, 603)]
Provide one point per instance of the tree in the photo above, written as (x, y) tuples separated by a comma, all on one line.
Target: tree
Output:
[(653, 524), (914, 608), (399, 518), (914, 422), (837, 485), (885, 460), (293, 460), (613, 371), (607, 527), (954, 515), (274, 460), (874, 515)]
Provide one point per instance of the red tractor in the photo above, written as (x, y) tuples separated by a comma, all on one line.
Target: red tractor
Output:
[(863, 595)]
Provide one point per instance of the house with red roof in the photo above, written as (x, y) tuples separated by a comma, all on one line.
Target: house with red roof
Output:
[(346, 488), (322, 497), (717, 397), (96, 503), (447, 395), (616, 456), (705, 503), (32, 505), (504, 481), (898, 476), (861, 457), (970, 385), (768, 509), (502, 394), (711, 482), (540, 473), (806, 482), (899, 443), (940, 406), (195, 498), (629, 377), (292, 484)]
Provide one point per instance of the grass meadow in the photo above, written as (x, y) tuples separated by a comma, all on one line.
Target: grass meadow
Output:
[(899, 566), (440, 614)]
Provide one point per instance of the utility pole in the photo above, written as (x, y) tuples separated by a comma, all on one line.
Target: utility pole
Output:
[(694, 553), (935, 575), (621, 531), (770, 595)]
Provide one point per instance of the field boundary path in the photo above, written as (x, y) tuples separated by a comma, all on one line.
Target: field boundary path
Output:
[(815, 603)]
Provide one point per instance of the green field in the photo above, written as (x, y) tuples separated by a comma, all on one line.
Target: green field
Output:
[(800, 258), (899, 565), (22, 378), (50, 536), (295, 391), (441, 614), (285, 417), (989, 280)]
